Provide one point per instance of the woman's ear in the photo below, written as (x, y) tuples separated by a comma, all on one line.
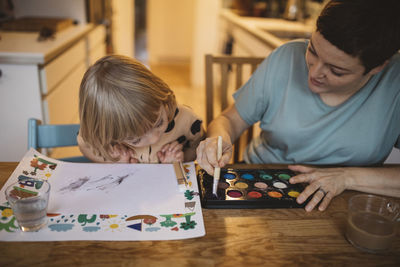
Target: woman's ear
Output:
[(378, 68)]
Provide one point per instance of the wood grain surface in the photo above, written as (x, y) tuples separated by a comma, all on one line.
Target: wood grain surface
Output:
[(240, 237)]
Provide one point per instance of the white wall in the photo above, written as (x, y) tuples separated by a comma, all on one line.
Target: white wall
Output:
[(183, 31), (74, 9), (394, 157), (205, 37), (170, 30), (123, 19)]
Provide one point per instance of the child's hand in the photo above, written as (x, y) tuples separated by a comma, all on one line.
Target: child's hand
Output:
[(172, 152), (125, 154)]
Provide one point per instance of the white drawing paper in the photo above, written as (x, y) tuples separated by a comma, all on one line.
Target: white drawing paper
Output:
[(90, 201)]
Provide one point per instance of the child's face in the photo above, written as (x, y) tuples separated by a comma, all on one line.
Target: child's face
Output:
[(152, 136)]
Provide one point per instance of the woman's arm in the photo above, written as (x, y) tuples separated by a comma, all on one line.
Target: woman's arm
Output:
[(384, 180), (327, 183), (230, 126)]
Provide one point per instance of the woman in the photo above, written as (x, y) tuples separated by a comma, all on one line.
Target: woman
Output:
[(332, 100)]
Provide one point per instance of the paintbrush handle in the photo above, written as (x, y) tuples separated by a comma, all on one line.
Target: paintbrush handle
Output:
[(217, 170), (219, 148)]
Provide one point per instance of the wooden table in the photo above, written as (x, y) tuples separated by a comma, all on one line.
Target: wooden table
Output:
[(233, 238)]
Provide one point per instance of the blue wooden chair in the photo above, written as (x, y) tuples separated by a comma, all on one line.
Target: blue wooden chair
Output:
[(53, 135)]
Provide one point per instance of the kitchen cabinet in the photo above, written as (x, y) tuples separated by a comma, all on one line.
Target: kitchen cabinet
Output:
[(255, 36), (20, 99), (237, 29), (41, 80), (244, 44)]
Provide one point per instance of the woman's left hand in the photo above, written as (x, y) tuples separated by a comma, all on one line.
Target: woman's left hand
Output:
[(326, 183)]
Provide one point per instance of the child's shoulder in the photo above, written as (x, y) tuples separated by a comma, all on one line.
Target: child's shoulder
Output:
[(185, 111), (187, 122)]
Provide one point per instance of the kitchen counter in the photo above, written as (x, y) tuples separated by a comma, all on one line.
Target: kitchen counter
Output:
[(41, 80), (23, 47), (263, 29)]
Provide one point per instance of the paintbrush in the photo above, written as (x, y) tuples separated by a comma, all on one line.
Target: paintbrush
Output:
[(180, 176), (217, 170)]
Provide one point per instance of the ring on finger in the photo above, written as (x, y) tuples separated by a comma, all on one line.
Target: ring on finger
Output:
[(323, 191)]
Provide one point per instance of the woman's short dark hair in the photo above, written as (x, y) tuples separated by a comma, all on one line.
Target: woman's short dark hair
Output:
[(367, 29)]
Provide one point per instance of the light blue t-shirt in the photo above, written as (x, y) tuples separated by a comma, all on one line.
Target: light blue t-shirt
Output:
[(298, 127)]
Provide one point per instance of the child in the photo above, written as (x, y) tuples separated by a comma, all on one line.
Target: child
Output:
[(130, 115)]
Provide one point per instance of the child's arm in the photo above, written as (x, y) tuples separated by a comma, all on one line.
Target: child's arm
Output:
[(175, 151), (171, 152), (125, 154)]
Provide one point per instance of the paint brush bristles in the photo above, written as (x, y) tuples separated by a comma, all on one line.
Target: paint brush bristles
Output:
[(217, 170)]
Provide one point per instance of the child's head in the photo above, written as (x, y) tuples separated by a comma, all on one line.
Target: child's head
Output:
[(120, 98), (367, 29)]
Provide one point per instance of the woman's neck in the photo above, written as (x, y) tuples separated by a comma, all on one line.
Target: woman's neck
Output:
[(333, 99)]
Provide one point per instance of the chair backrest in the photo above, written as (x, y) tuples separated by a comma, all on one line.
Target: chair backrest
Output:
[(232, 68), (52, 136)]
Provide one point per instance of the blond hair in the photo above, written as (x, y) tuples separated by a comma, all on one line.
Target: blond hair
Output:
[(120, 98)]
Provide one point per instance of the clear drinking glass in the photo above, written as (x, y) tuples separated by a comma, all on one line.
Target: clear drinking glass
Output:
[(29, 200), (371, 223)]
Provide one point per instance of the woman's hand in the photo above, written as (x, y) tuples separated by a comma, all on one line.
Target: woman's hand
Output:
[(326, 183), (207, 154), (125, 154), (172, 152)]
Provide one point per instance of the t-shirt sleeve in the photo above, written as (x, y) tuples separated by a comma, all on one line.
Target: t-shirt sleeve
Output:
[(250, 100), (265, 89)]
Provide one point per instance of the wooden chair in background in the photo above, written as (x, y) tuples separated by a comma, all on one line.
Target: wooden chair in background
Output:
[(219, 88)]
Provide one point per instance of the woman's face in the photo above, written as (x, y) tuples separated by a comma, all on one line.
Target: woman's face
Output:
[(154, 135), (332, 73)]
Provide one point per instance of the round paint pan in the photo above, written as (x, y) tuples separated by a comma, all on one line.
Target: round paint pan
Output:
[(279, 185), (284, 176), (293, 193), (254, 194), (241, 185), (230, 175), (247, 176), (275, 194), (234, 194), (265, 176), (261, 185), (223, 185)]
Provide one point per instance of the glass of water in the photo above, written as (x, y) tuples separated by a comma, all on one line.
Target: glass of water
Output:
[(29, 200)]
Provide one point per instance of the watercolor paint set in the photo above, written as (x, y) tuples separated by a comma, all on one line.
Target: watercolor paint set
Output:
[(250, 188)]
